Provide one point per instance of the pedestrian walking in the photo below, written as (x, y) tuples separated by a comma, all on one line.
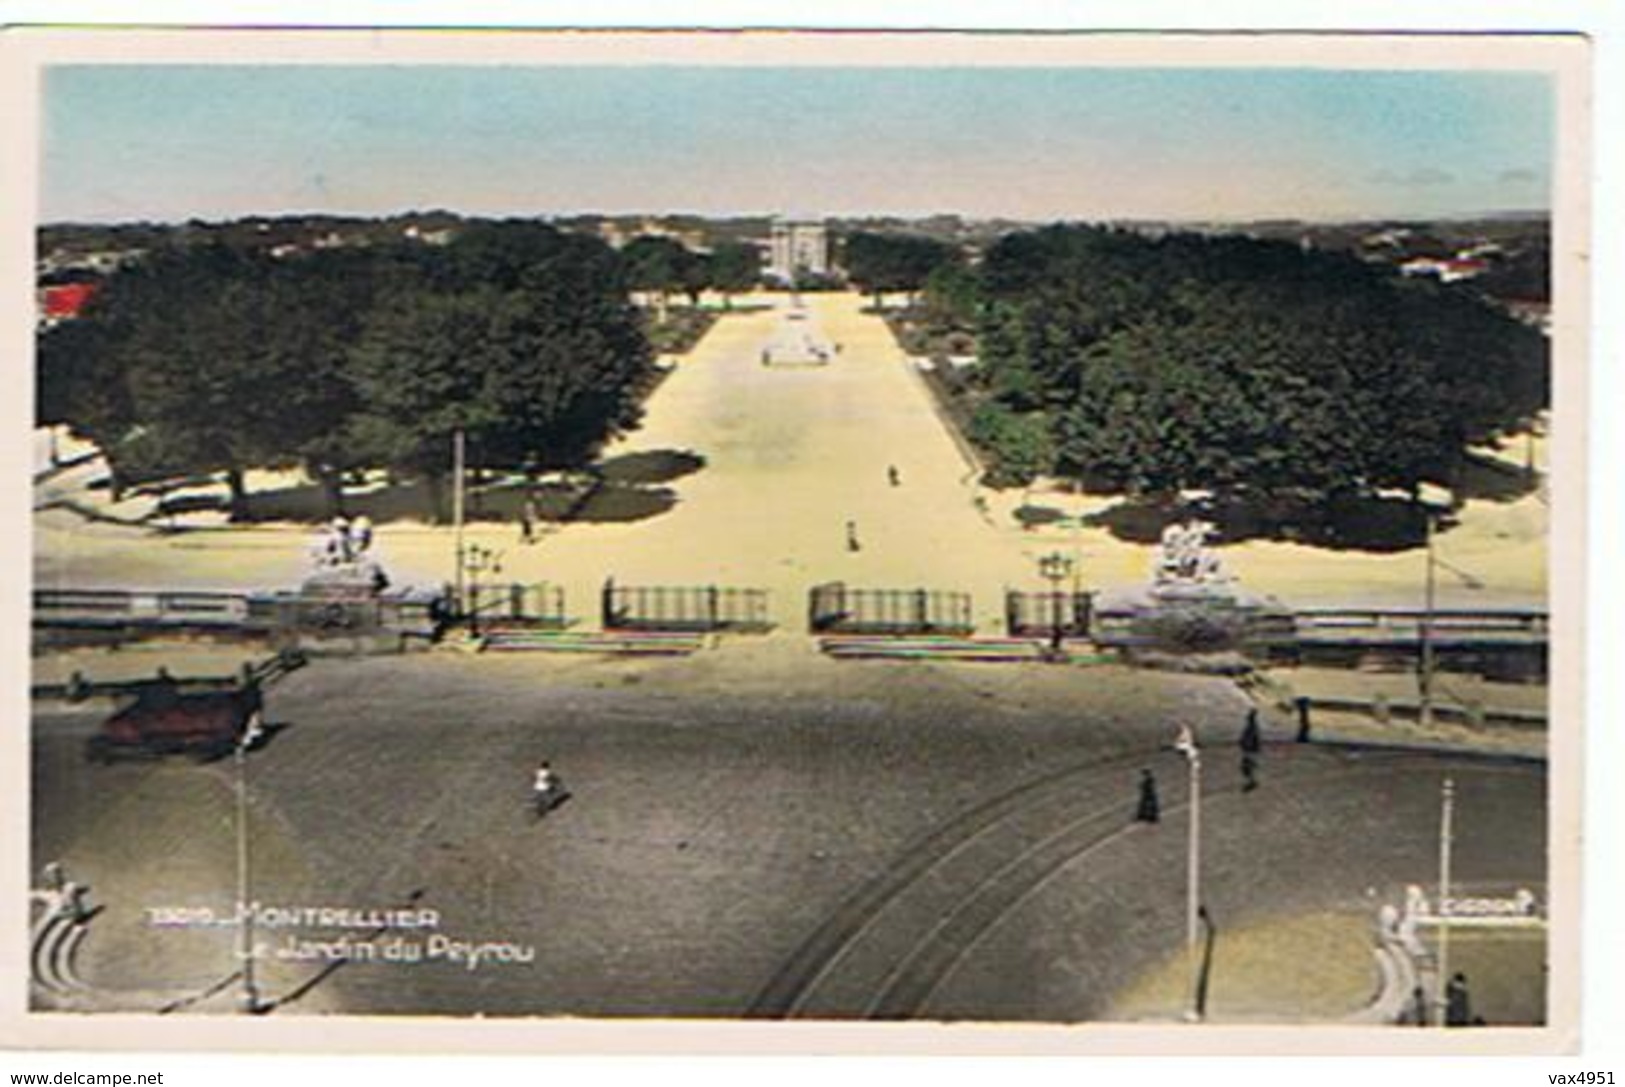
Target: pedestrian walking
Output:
[(892, 474), (1150, 808), (56, 877), (1252, 746), (527, 520), (852, 536), (1302, 702), (360, 536), (1458, 1008), (1418, 1011)]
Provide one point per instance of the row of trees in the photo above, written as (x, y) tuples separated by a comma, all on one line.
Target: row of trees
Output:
[(665, 266), (879, 263), (209, 359), (1248, 368)]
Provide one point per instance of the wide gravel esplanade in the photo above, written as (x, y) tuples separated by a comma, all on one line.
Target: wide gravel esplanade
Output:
[(794, 453)]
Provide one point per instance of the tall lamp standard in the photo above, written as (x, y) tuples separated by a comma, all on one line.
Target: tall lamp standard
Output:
[(1425, 635), (251, 1004), (478, 560), (458, 471), (1428, 663), (1186, 745), (1447, 808), (1054, 568)]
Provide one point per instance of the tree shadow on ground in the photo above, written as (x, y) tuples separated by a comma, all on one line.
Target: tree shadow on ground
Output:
[(1032, 516), (619, 489), (651, 466), (307, 503), (1494, 480), (1351, 524), (589, 500), (598, 502)]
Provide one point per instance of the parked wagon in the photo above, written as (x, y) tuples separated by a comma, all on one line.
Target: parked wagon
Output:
[(162, 720)]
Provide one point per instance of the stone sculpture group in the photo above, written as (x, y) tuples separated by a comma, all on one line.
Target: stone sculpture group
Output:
[(1185, 559), (343, 552)]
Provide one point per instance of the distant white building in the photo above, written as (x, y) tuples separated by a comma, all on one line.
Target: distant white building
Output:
[(799, 246), (415, 233), (1449, 270)]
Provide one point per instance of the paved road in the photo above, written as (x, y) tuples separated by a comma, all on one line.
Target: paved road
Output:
[(729, 809)]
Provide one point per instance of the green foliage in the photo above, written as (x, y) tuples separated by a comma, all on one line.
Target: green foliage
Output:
[(209, 359), (876, 263), (537, 363), (952, 296), (1245, 367), (658, 263), (1018, 446), (735, 267), (679, 331)]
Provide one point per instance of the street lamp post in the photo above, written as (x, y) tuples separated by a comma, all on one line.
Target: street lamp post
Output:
[(1428, 664), (1447, 809), (1186, 745), (457, 473), (1054, 568), (1425, 636), (245, 906), (478, 559)]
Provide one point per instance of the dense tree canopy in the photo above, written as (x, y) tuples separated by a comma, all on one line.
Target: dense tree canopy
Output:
[(876, 263), (657, 263), (210, 359), (1244, 367), (735, 267)]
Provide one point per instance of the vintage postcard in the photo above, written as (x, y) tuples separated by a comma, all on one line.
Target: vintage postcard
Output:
[(794, 541)]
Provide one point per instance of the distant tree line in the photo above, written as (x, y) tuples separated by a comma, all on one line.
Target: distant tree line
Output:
[(208, 358), (665, 266), (877, 263), (1248, 368)]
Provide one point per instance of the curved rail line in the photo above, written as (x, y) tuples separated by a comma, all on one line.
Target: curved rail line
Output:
[(920, 973), (819, 953), (916, 975), (917, 984)]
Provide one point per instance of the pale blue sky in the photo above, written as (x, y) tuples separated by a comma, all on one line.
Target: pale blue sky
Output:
[(176, 142)]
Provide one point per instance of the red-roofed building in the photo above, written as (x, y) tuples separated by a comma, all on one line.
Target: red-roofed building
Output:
[(64, 301)]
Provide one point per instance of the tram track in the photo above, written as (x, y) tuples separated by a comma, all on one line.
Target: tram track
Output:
[(1026, 857), (787, 990)]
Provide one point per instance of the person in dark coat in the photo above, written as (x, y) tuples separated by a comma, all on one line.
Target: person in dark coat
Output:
[(1302, 703), (1150, 809), (1458, 1009), (1418, 1011), (527, 520), (1252, 745)]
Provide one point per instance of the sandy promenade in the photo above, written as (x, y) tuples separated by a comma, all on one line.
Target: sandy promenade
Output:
[(793, 454)]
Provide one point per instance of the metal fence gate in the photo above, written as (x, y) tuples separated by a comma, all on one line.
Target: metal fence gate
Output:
[(684, 607), (834, 607), (539, 605), (1029, 615)]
